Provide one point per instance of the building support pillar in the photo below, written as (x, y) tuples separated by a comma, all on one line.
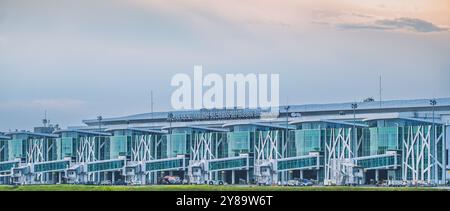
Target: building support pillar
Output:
[(301, 174), (248, 177), (233, 175), (113, 177), (377, 175)]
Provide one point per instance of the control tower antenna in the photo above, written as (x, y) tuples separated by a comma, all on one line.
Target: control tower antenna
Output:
[(151, 102), (45, 120)]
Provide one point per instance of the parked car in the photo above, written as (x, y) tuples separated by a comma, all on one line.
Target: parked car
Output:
[(170, 180), (306, 182), (214, 182), (293, 183), (106, 182)]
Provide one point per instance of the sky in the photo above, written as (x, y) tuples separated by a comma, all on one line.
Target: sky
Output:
[(80, 59)]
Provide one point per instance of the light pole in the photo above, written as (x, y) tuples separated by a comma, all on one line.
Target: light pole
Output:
[(433, 103), (354, 107), (287, 134), (170, 129), (99, 119), (287, 122)]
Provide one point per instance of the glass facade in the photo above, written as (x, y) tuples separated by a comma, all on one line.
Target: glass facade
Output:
[(238, 142), (177, 144), (384, 138), (371, 149), (118, 146), (67, 147), (307, 141), (16, 149)]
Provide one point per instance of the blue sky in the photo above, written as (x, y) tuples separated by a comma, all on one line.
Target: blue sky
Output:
[(79, 59)]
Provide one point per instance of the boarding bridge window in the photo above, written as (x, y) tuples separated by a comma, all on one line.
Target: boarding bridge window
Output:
[(162, 165), (377, 162), (297, 164), (51, 166), (105, 166), (228, 164)]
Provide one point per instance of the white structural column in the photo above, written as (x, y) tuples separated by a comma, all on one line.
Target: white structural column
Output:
[(38, 151), (35, 152), (141, 149), (447, 144), (339, 157), (267, 153), (420, 147), (202, 150), (86, 150)]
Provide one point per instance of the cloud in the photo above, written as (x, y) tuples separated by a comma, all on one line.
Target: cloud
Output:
[(413, 24), (404, 23)]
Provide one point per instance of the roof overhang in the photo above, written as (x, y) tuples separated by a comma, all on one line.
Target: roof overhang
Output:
[(150, 131), (82, 132), (209, 129), (268, 125), (405, 118), (329, 121), (46, 135)]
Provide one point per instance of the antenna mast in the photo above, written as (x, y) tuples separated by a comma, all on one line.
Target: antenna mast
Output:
[(45, 120)]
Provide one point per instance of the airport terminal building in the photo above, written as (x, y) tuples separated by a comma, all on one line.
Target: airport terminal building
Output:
[(333, 144)]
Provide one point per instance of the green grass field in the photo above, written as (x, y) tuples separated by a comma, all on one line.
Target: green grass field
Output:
[(199, 188)]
